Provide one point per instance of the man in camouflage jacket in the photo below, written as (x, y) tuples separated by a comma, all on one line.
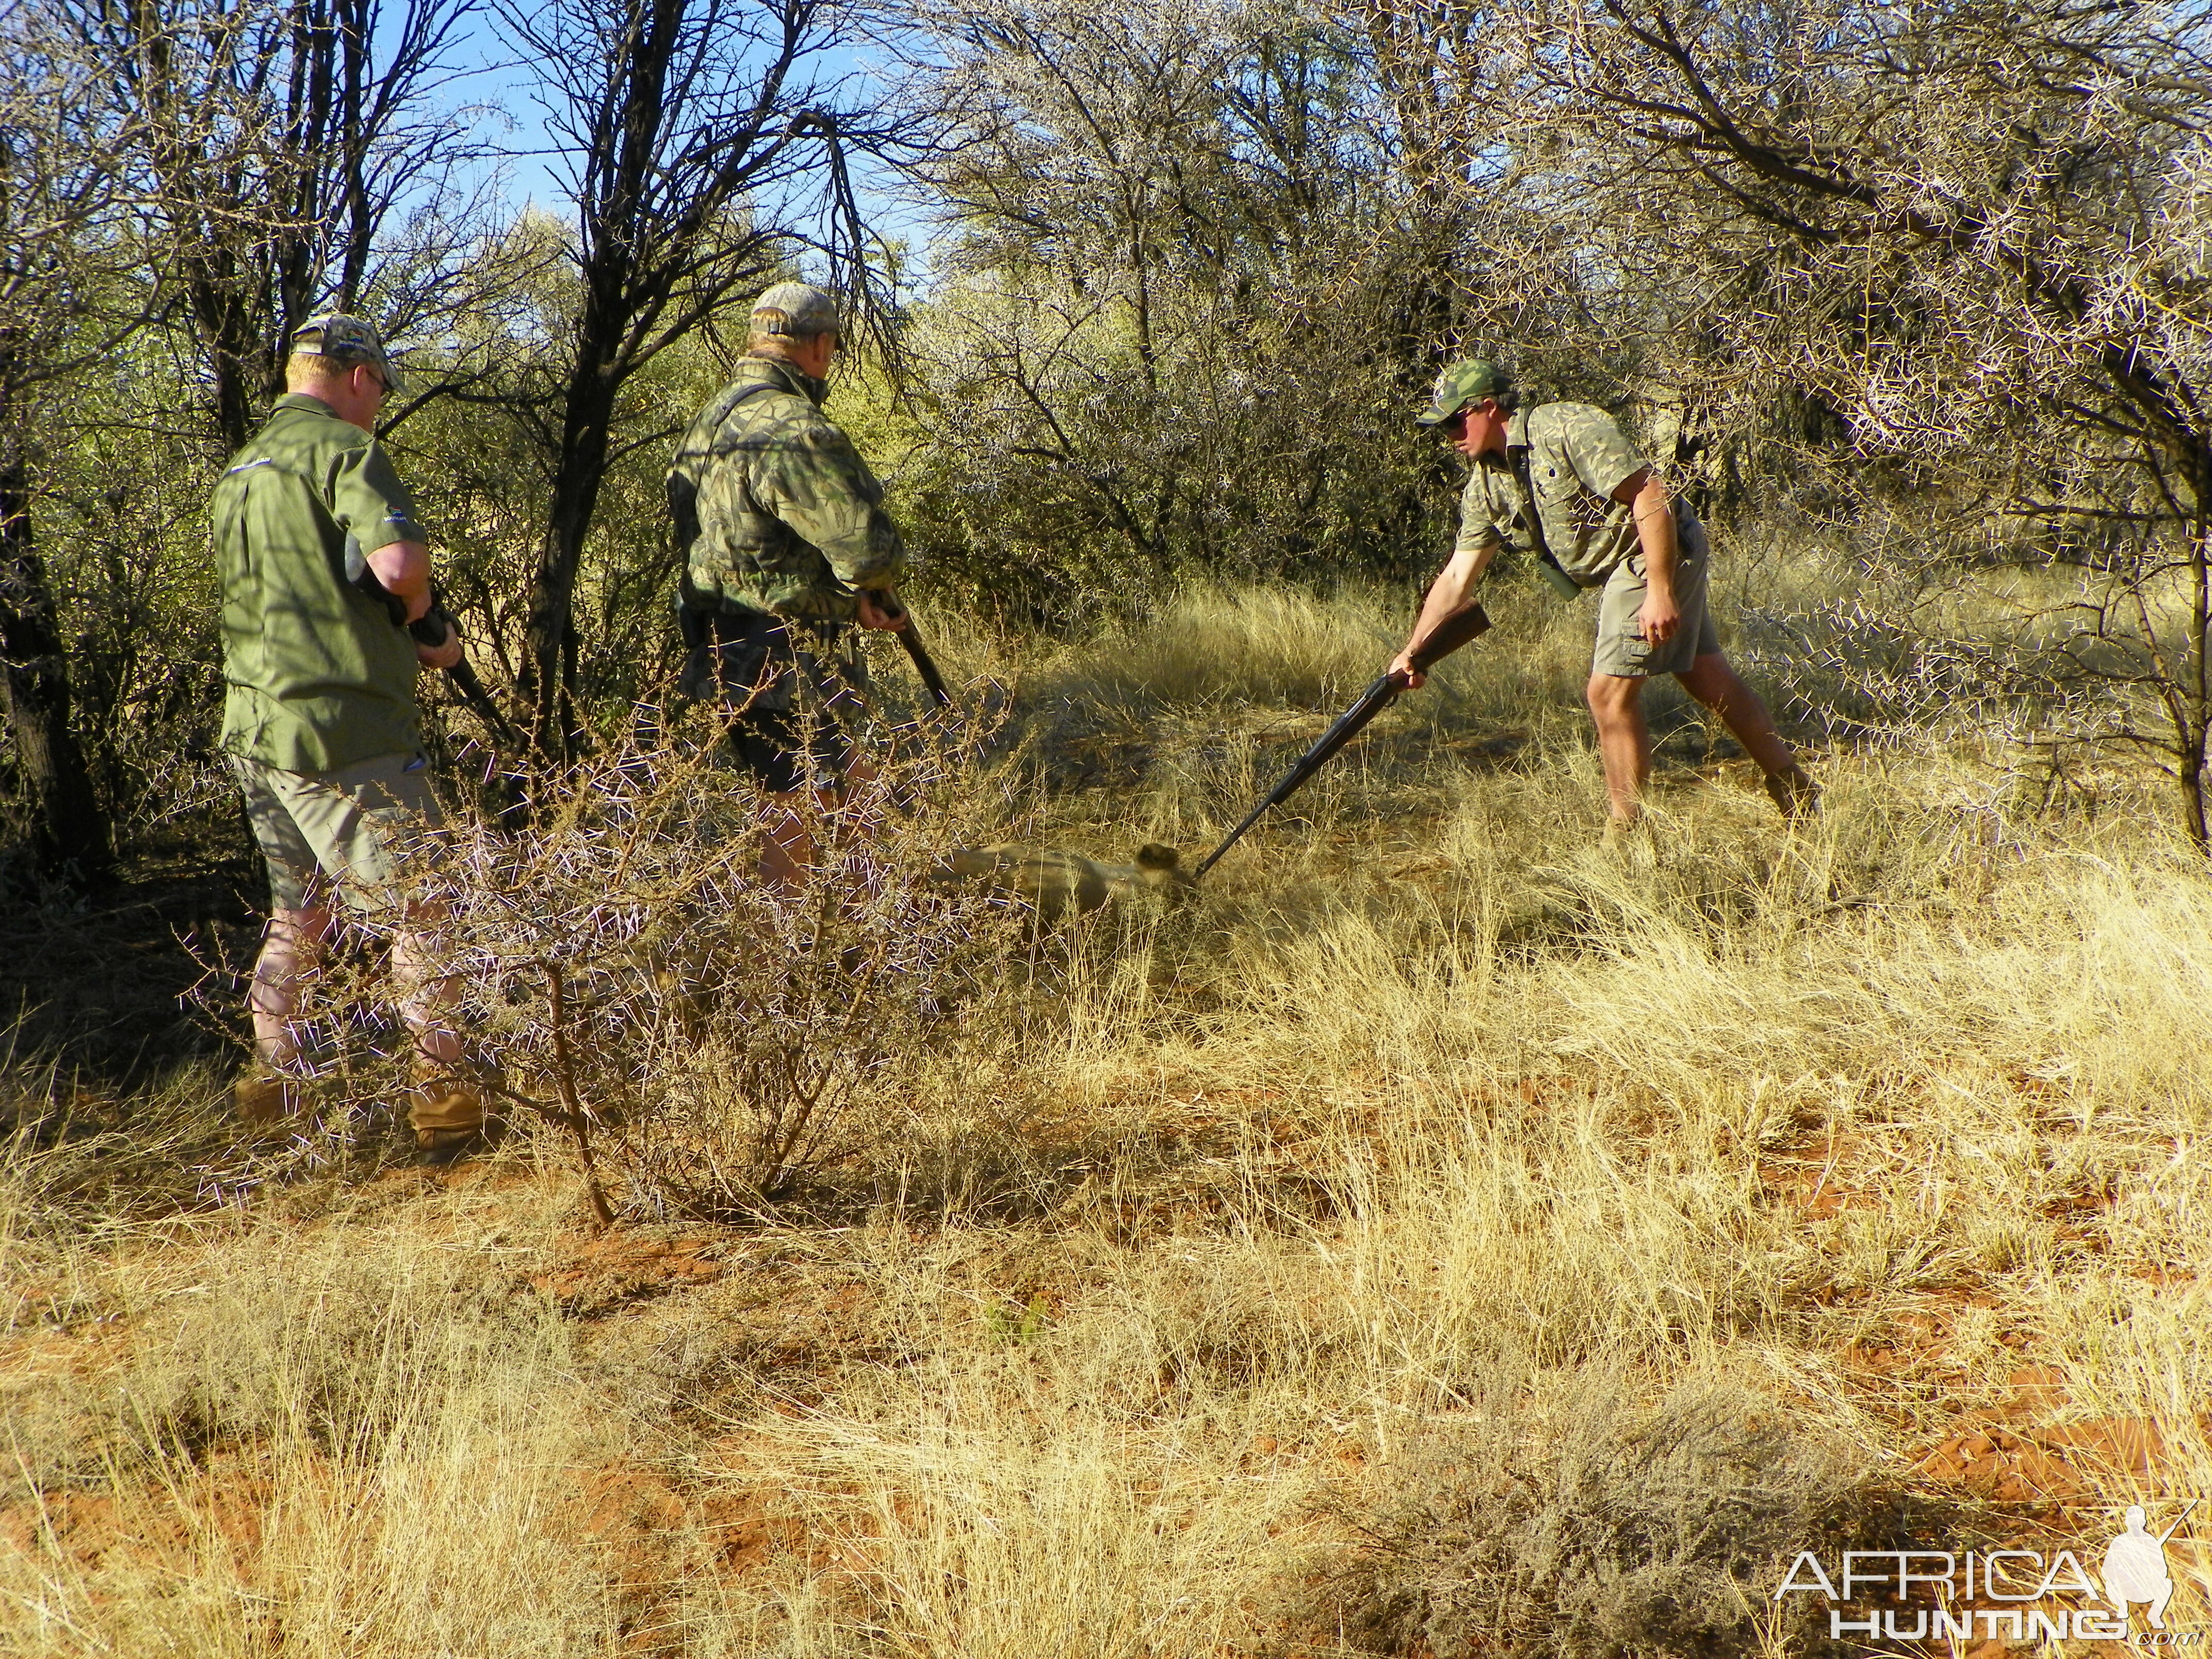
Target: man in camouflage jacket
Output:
[(786, 546), (1560, 483)]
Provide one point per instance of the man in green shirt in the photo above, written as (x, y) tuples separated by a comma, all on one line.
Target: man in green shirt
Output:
[(323, 565), (786, 546), (1562, 483)]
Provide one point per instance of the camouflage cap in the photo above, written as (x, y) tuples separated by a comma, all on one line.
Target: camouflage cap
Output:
[(1467, 381), (796, 311), (345, 339)]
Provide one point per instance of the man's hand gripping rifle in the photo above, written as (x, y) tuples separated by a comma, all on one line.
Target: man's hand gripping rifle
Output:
[(433, 628), (902, 619), (1438, 641)]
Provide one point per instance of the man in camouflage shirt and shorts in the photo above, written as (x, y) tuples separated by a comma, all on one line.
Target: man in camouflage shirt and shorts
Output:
[(323, 565), (1601, 518), (786, 546)]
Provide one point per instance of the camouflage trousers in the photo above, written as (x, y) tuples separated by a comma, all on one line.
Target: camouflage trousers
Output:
[(795, 689)]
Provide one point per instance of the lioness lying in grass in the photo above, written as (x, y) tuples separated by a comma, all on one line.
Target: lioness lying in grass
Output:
[(1059, 884)]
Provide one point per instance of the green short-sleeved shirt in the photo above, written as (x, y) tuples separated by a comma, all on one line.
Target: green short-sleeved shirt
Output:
[(1578, 457), (317, 676)]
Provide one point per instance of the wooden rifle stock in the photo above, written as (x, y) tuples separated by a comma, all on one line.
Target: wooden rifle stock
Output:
[(916, 652), (1466, 624), (1469, 622)]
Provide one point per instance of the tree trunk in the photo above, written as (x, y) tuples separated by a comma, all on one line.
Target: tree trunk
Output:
[(70, 838), (550, 670)]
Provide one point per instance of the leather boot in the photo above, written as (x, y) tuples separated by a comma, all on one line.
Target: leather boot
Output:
[(448, 1116), (265, 1102)]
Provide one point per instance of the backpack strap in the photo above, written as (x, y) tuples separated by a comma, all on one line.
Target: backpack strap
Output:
[(1548, 566)]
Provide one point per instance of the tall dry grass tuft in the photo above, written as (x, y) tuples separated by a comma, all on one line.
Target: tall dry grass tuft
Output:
[(1551, 1520), (303, 1449), (1210, 647), (985, 1511)]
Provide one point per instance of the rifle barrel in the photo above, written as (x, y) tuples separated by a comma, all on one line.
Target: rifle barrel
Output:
[(2166, 1536), (1372, 701), (464, 676), (889, 602), (1469, 622), (924, 663), (1235, 836)]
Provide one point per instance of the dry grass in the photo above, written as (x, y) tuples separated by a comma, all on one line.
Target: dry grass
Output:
[(1410, 1198)]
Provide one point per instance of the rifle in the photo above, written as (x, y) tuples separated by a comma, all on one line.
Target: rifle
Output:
[(1463, 624), (2167, 1535), (917, 652), (433, 628)]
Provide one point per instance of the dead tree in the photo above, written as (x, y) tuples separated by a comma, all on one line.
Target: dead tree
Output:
[(1181, 260), (277, 140), (704, 151)]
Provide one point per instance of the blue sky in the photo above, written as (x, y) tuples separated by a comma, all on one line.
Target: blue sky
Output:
[(488, 73)]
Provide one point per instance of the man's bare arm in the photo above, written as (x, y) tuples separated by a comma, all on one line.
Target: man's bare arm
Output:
[(1645, 497), (404, 568), (1453, 586)]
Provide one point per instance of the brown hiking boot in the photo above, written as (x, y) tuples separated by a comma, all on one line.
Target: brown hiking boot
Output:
[(1794, 791), (448, 1116), (266, 1102)]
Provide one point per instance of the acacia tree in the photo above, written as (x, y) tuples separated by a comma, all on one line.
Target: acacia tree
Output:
[(705, 143), (1952, 233), (1193, 285), (278, 142)]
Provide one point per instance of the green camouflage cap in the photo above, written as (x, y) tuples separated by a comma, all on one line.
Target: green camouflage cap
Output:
[(796, 311), (1467, 381), (345, 339)]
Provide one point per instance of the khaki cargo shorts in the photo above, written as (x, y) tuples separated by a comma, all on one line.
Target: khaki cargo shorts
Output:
[(1621, 649), (344, 828)]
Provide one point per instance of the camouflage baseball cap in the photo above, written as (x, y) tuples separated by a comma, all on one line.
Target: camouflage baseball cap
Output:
[(1467, 381), (345, 339), (795, 310)]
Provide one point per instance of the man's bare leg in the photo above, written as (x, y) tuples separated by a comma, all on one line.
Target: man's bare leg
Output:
[(269, 1097), (1623, 741), (446, 1107), (788, 838), (424, 991), (1713, 683), (290, 948), (788, 830)]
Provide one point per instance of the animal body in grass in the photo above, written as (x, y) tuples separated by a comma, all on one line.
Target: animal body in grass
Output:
[(1059, 884)]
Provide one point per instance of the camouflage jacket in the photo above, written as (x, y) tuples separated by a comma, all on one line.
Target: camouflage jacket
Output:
[(1578, 457), (775, 509)]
